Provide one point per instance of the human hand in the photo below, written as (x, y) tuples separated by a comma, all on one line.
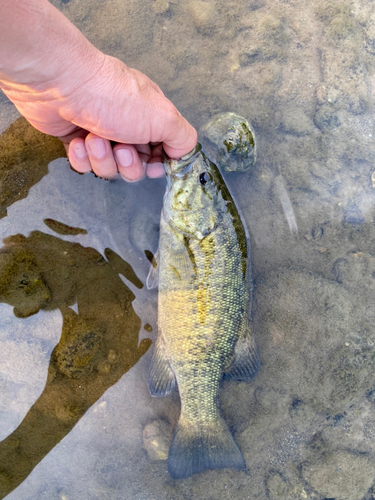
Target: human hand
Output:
[(111, 118), (115, 121)]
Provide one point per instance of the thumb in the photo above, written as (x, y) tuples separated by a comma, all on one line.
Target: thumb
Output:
[(182, 138)]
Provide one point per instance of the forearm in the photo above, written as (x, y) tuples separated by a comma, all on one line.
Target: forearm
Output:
[(39, 47)]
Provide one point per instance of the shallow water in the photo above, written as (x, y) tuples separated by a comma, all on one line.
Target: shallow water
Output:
[(73, 417)]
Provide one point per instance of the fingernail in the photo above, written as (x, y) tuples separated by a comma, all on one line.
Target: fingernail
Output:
[(79, 150), (124, 157), (97, 148)]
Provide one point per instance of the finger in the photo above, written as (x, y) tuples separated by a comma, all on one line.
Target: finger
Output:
[(155, 169), (183, 142), (101, 156), (157, 152), (155, 166), (129, 163), (144, 151), (78, 157)]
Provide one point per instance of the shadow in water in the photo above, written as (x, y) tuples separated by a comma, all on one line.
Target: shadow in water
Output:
[(97, 346), (24, 157)]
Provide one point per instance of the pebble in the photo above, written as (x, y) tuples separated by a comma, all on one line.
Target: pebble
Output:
[(104, 367), (112, 356), (157, 438), (203, 13), (160, 6), (326, 118), (296, 122)]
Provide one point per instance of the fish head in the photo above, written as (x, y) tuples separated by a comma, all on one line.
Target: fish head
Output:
[(193, 202)]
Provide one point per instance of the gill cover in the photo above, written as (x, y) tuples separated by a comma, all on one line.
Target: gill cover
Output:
[(193, 202)]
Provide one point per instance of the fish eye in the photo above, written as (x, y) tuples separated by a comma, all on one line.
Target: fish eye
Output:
[(204, 178)]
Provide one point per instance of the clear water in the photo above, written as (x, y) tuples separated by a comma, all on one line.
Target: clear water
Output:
[(74, 426)]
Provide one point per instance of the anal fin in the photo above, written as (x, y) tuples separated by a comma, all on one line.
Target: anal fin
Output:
[(246, 361), (161, 379)]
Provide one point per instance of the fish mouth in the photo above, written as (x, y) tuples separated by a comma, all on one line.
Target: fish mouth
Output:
[(180, 167)]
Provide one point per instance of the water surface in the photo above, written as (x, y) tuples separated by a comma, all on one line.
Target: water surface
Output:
[(73, 379)]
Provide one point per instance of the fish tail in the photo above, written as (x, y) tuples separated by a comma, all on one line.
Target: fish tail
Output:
[(195, 449)]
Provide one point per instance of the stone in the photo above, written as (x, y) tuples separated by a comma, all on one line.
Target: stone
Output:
[(160, 6), (157, 438), (296, 122), (203, 13), (229, 141), (326, 118)]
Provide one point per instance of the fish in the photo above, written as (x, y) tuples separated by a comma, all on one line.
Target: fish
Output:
[(203, 274)]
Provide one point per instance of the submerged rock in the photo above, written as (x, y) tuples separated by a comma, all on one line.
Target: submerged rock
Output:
[(296, 122), (157, 438), (203, 14), (326, 118), (160, 6), (228, 140)]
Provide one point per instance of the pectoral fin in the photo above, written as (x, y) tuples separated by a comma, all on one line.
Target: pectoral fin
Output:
[(246, 361), (153, 275), (161, 379)]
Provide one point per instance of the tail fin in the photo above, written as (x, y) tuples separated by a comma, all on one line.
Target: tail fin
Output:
[(195, 449)]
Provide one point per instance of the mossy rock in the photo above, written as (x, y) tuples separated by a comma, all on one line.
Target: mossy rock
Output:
[(228, 140)]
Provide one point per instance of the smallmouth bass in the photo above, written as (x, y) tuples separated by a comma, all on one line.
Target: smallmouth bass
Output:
[(204, 280)]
